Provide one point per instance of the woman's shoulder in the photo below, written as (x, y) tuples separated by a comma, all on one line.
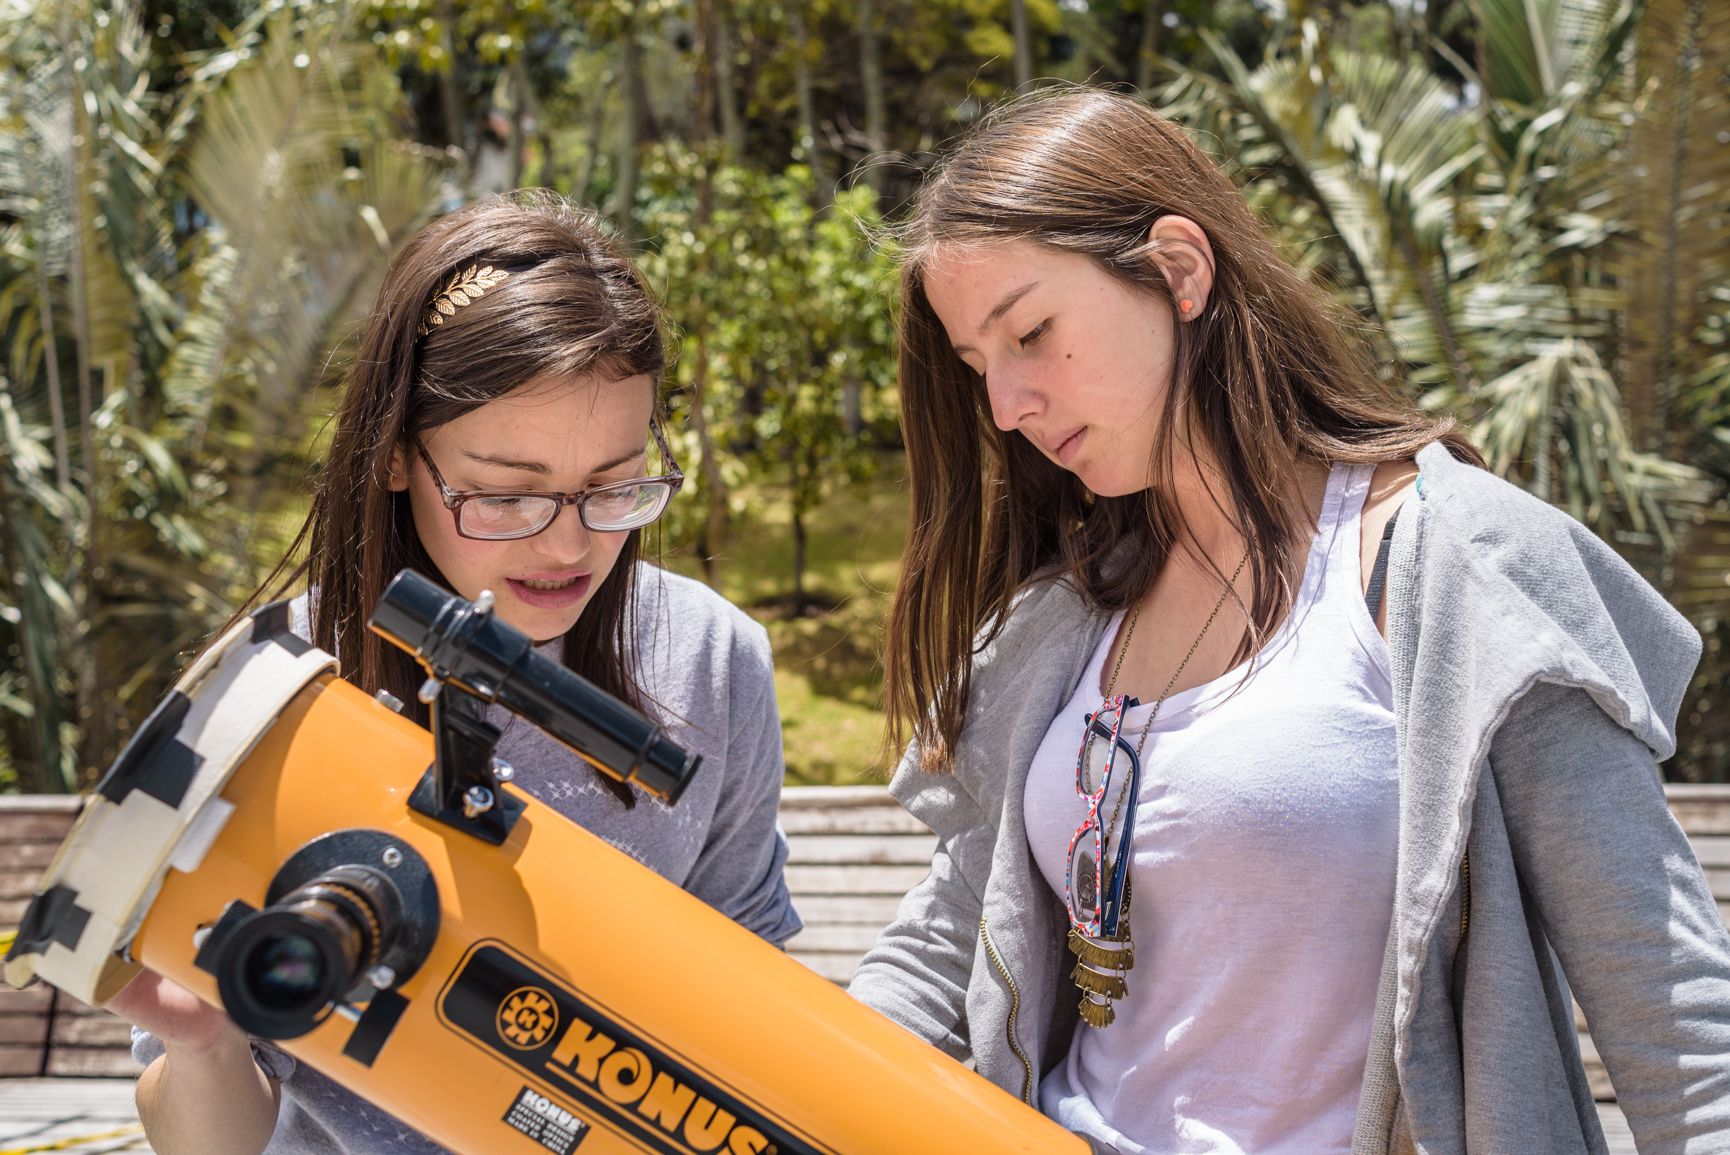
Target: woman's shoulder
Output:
[(1468, 499), (1473, 519), (682, 622), (1499, 569), (1047, 611)]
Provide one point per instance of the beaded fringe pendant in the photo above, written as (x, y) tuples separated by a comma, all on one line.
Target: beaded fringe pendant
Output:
[(1101, 969)]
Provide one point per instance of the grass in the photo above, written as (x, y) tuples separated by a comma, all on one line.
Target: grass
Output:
[(827, 677)]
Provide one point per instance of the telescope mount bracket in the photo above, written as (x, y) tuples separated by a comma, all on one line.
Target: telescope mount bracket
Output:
[(463, 743)]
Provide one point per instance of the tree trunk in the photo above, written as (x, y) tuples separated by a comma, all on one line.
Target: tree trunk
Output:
[(1664, 376), (712, 542), (87, 599), (450, 96), (630, 87), (876, 112), (1023, 45), (592, 146), (514, 141), (807, 150), (1144, 63), (56, 399), (726, 89), (800, 602), (1433, 12), (548, 177), (852, 416), (526, 108), (51, 350)]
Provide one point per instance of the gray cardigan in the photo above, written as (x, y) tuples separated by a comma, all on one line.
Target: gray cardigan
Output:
[(1536, 680)]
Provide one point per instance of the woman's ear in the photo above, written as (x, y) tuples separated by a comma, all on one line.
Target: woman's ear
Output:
[(398, 480), (1182, 252)]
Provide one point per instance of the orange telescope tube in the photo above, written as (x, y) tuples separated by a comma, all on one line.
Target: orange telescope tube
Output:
[(572, 998)]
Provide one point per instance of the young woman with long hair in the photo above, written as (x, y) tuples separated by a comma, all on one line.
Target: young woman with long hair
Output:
[(494, 435), (1282, 760)]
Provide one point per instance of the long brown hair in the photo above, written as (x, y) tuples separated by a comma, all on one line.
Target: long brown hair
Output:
[(571, 304), (1265, 377)]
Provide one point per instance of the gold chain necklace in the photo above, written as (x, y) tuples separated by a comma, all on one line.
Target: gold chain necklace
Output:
[(1102, 965)]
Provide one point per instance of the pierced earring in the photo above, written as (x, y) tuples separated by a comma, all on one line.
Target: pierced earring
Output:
[(1186, 306)]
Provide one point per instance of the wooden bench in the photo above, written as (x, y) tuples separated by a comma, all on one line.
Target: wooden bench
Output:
[(853, 853), (44, 1031)]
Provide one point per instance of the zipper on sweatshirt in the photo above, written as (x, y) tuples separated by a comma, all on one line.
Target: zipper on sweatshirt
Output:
[(1465, 893), (1014, 1009)]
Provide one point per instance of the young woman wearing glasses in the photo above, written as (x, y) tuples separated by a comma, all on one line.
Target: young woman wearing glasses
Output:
[(493, 435), (1268, 821)]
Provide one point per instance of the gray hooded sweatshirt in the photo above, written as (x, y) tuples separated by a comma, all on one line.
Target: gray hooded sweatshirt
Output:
[(1536, 680)]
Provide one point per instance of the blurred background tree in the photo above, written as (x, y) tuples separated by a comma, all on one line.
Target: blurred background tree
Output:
[(1527, 203)]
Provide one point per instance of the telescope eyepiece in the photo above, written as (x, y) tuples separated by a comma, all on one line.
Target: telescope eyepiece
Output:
[(282, 967)]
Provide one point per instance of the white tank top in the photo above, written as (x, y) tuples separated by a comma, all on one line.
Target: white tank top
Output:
[(1263, 867)]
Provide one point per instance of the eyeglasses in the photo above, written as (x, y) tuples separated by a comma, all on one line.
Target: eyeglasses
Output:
[(507, 514), (1094, 894)]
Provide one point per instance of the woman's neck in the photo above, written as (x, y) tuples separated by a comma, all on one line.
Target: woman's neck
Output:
[(1209, 526)]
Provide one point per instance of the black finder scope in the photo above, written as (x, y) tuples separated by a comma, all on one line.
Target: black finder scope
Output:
[(462, 643)]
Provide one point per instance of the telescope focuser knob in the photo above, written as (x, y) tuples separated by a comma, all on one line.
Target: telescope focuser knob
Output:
[(429, 690), (503, 770)]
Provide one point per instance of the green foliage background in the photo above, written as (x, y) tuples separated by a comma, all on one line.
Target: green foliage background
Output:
[(1526, 202)]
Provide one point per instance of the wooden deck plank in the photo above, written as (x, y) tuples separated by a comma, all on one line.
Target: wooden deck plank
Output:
[(861, 820), (99, 1029), (1718, 878), (34, 856), (836, 967), (857, 939), (1711, 849), (27, 1002), (894, 880), (92, 1062), (20, 1061), (23, 1030), (1702, 818), (861, 849), (19, 884), (875, 910), (834, 797)]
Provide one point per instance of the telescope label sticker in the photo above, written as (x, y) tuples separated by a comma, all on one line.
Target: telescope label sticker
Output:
[(546, 1122), (618, 1077)]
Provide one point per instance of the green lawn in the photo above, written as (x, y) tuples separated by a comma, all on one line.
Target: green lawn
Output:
[(827, 677)]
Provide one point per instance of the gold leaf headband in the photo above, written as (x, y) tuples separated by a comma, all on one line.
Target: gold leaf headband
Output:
[(462, 288)]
